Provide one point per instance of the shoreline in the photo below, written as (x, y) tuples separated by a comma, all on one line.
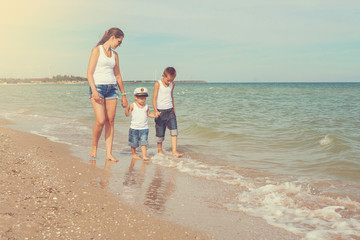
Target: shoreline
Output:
[(47, 193), (85, 82)]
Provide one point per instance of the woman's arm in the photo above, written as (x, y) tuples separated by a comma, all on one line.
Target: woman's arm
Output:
[(119, 81), (90, 73)]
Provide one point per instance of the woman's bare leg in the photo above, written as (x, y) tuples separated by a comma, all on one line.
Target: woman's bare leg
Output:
[(99, 110), (110, 109)]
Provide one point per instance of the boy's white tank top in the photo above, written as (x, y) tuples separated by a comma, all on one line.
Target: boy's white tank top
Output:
[(164, 100), (139, 118), (104, 70)]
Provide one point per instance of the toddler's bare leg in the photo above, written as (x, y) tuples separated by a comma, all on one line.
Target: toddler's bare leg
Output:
[(143, 150), (133, 154)]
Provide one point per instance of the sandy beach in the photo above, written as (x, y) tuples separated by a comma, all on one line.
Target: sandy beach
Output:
[(49, 194), (46, 195)]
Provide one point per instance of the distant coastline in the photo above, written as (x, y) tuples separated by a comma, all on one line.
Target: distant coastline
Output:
[(65, 79)]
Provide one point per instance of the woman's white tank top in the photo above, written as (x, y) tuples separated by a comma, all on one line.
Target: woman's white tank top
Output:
[(104, 70), (164, 100), (139, 118)]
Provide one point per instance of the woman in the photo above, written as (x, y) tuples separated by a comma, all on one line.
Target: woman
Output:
[(105, 80)]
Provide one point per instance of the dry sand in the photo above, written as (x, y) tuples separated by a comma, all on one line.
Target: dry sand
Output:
[(45, 194)]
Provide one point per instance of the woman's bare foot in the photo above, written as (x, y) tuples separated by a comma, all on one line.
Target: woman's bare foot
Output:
[(135, 157), (176, 154), (93, 152), (112, 158), (146, 159)]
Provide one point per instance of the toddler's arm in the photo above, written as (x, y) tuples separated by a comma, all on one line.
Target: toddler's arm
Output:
[(153, 115), (129, 109)]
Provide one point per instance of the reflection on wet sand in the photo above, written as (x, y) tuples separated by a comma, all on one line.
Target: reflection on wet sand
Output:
[(104, 180), (132, 177), (159, 191), (156, 194)]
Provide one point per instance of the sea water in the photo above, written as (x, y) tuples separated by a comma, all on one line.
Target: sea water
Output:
[(289, 151)]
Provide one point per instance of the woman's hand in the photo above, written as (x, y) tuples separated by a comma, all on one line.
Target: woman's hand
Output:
[(97, 97), (124, 101)]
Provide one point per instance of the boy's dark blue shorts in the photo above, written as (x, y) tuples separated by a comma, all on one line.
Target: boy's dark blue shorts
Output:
[(167, 119)]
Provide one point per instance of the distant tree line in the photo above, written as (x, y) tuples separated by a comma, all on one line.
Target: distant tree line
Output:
[(77, 79), (57, 78)]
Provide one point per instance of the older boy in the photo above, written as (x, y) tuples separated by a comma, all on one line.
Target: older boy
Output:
[(163, 103)]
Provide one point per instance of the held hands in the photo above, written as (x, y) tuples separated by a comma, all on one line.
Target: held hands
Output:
[(124, 102), (126, 105), (157, 114)]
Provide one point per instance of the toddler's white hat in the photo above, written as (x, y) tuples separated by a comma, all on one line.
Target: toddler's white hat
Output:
[(141, 92)]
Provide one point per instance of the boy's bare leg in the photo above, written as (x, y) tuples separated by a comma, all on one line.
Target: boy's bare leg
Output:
[(143, 150), (133, 154), (159, 144), (174, 146)]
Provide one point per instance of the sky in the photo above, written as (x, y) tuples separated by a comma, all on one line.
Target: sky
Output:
[(214, 41)]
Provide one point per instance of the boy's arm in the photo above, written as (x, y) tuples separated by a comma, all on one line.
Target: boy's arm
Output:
[(172, 97), (155, 95), (152, 115), (129, 109)]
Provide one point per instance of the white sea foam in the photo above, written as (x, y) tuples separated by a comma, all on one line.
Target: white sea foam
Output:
[(295, 206), (326, 141), (198, 169), (52, 138)]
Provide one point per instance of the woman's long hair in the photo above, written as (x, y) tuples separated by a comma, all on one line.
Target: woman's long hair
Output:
[(111, 32)]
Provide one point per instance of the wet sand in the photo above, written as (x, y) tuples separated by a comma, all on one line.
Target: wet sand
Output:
[(49, 194)]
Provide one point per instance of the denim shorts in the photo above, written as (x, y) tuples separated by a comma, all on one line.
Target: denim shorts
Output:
[(106, 91), (138, 137), (167, 119)]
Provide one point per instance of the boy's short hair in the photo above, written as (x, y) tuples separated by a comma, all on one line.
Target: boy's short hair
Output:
[(169, 71)]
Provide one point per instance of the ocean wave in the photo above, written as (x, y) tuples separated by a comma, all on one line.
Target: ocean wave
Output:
[(301, 206), (301, 209), (211, 132)]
